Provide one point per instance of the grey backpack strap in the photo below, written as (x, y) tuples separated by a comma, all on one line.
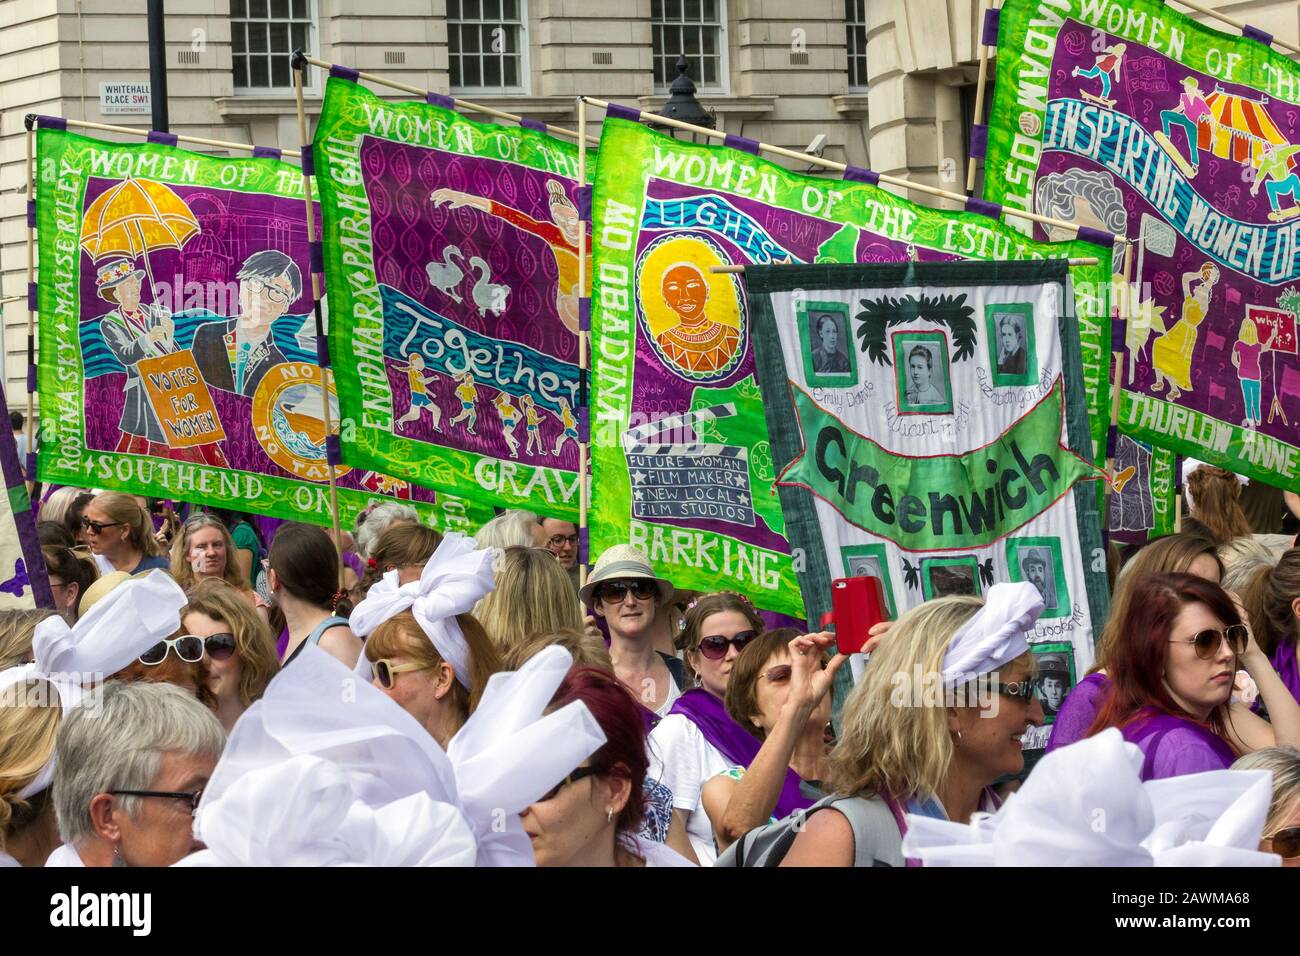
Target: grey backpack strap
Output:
[(876, 840)]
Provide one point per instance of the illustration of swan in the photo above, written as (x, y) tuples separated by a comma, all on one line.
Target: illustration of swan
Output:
[(446, 275), (489, 296)]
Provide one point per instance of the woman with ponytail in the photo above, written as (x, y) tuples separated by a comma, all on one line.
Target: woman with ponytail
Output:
[(303, 577), (1212, 498)]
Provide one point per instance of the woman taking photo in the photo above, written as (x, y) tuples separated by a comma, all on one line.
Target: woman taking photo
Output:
[(698, 739), (203, 550), (303, 578), (592, 816), (780, 692), (1171, 683), (238, 645), (905, 748), (120, 534), (1184, 553), (70, 575)]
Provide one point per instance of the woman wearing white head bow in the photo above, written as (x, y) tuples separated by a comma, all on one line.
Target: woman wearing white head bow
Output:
[(936, 718), (424, 649)]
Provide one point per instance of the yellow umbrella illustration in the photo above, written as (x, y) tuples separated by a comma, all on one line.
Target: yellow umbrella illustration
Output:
[(135, 217)]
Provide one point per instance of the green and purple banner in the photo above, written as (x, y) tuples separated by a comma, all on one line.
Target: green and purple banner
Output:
[(1136, 119), (681, 457), (451, 249), (177, 346), (963, 498)]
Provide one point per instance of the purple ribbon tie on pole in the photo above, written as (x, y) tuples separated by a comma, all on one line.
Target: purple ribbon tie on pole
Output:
[(990, 37), (1118, 333), (533, 124), (983, 207), (266, 152), (322, 351), (618, 111), (308, 160), (584, 545), (1254, 33), (979, 141), (1112, 435), (31, 378), (161, 138), (317, 257), (856, 174), (584, 203), (332, 453), (584, 314), (344, 72), (51, 122), (743, 143), (1098, 237), (33, 298), (440, 99), (584, 425), (31, 466), (31, 214)]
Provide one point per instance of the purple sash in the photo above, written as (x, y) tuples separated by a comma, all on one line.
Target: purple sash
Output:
[(1284, 662), (707, 713)]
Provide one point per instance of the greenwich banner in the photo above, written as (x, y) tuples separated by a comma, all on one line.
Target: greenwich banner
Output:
[(964, 497), (451, 251), (679, 441), (1135, 118), (177, 345)]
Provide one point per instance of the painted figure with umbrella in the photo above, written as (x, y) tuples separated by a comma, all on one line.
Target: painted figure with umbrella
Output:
[(123, 224)]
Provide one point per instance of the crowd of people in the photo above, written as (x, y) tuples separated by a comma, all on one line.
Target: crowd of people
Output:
[(215, 689)]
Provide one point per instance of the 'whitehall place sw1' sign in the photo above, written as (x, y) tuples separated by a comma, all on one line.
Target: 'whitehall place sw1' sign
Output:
[(125, 98)]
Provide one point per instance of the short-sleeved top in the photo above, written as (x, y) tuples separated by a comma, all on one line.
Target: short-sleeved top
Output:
[(245, 539), (1174, 747), (1249, 359), (682, 760), (1078, 711), (148, 564)]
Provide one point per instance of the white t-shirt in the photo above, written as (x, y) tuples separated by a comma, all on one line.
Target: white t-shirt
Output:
[(673, 694), (658, 854), (683, 761), (7, 860), (64, 856)]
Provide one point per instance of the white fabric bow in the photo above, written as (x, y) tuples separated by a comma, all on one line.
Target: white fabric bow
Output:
[(995, 635), (119, 628), (384, 765), (454, 579), (1085, 805)]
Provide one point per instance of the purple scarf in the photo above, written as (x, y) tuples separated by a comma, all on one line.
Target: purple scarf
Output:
[(1284, 662), (707, 713)]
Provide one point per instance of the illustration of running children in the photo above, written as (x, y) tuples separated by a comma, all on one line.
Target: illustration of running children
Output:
[(1246, 354), (467, 392), (1279, 179), (509, 419), (1105, 68), (1171, 355), (1192, 108), (570, 426), (420, 398), (533, 421)]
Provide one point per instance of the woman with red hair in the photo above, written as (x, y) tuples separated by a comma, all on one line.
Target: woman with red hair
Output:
[(1170, 680), (592, 816)]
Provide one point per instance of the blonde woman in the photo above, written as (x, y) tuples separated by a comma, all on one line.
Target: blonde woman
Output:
[(1282, 828), (1246, 353), (237, 643), (532, 594), (937, 717), (120, 535), (204, 550), (29, 832), (16, 629)]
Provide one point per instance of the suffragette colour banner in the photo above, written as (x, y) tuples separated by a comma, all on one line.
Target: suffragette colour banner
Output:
[(24, 582), (1007, 494), (177, 346), (451, 249), (1135, 118), (680, 448)]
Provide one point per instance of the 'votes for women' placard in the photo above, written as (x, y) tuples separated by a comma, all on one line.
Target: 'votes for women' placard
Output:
[(964, 500), (680, 450), (177, 345), (451, 251), (1134, 118)]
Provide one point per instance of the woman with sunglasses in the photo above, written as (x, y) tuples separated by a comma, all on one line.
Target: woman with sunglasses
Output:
[(180, 660), (698, 739), (70, 575), (1170, 685), (935, 746), (120, 534), (1282, 828), (592, 816), (203, 550), (780, 691), (624, 590), (237, 642)]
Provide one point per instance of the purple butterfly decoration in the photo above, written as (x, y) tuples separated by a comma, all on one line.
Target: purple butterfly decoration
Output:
[(19, 582)]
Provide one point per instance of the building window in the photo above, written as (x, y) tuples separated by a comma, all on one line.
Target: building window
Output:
[(263, 33), (855, 29), (690, 28), (485, 44)]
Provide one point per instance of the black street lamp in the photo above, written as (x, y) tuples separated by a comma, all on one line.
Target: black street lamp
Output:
[(682, 104)]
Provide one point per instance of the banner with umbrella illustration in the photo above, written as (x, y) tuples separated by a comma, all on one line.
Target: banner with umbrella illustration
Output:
[(175, 351)]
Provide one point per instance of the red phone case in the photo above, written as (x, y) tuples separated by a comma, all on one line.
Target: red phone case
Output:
[(859, 605)]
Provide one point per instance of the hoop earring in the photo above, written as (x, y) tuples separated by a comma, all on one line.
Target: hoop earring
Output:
[(957, 742)]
